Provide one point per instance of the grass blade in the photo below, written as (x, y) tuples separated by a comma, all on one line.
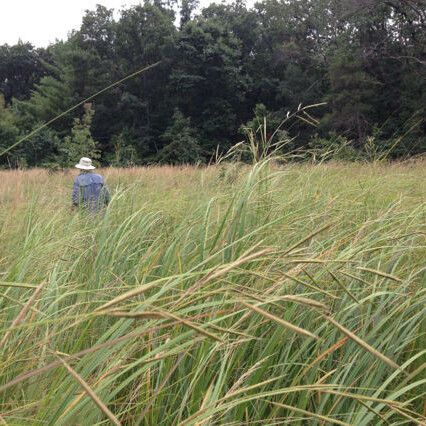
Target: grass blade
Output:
[(90, 392), (362, 343), (280, 321)]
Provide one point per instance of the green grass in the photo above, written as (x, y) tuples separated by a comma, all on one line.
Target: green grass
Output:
[(226, 295)]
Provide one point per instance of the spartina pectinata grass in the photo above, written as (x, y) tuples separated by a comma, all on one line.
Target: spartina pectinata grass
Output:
[(184, 303)]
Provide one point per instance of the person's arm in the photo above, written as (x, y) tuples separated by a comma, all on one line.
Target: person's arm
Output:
[(75, 193)]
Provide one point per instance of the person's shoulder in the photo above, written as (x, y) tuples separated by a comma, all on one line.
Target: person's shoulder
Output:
[(98, 177), (89, 178)]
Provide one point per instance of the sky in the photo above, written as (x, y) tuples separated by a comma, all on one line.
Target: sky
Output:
[(41, 22)]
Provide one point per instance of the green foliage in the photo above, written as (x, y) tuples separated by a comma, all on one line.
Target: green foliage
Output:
[(144, 34), (208, 79), (364, 58), (80, 143), (334, 147), (181, 145), (41, 148), (125, 154), (351, 96), (262, 117), (266, 133), (186, 10), (8, 134), (21, 67)]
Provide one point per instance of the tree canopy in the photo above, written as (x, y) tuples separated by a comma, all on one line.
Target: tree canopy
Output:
[(220, 68)]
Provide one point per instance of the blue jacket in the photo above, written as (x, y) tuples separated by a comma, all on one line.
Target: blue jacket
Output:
[(90, 191)]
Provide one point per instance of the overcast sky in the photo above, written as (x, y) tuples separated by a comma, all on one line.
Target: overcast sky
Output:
[(43, 21)]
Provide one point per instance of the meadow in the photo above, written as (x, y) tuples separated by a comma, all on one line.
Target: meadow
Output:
[(225, 295)]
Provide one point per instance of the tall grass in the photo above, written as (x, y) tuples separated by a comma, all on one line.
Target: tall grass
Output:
[(225, 295)]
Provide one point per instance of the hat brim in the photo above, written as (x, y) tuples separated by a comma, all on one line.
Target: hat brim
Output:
[(79, 166)]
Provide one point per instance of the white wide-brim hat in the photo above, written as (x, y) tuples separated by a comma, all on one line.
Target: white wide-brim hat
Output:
[(85, 164)]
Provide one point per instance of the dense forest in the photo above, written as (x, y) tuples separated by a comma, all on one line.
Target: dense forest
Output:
[(223, 69)]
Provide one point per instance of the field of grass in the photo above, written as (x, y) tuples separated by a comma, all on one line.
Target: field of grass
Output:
[(229, 295)]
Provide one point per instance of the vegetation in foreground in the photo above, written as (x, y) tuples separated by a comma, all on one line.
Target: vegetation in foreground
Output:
[(223, 295)]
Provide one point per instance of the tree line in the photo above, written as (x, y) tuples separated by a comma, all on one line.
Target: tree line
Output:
[(223, 69)]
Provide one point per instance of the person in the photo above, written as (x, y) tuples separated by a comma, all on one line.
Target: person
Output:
[(89, 191)]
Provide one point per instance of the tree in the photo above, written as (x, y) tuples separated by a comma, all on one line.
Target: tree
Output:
[(365, 58), (73, 77), (186, 10), (97, 32), (268, 123), (181, 146), (21, 67), (8, 134), (124, 154), (145, 34), (80, 143), (352, 92), (41, 148), (208, 81)]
